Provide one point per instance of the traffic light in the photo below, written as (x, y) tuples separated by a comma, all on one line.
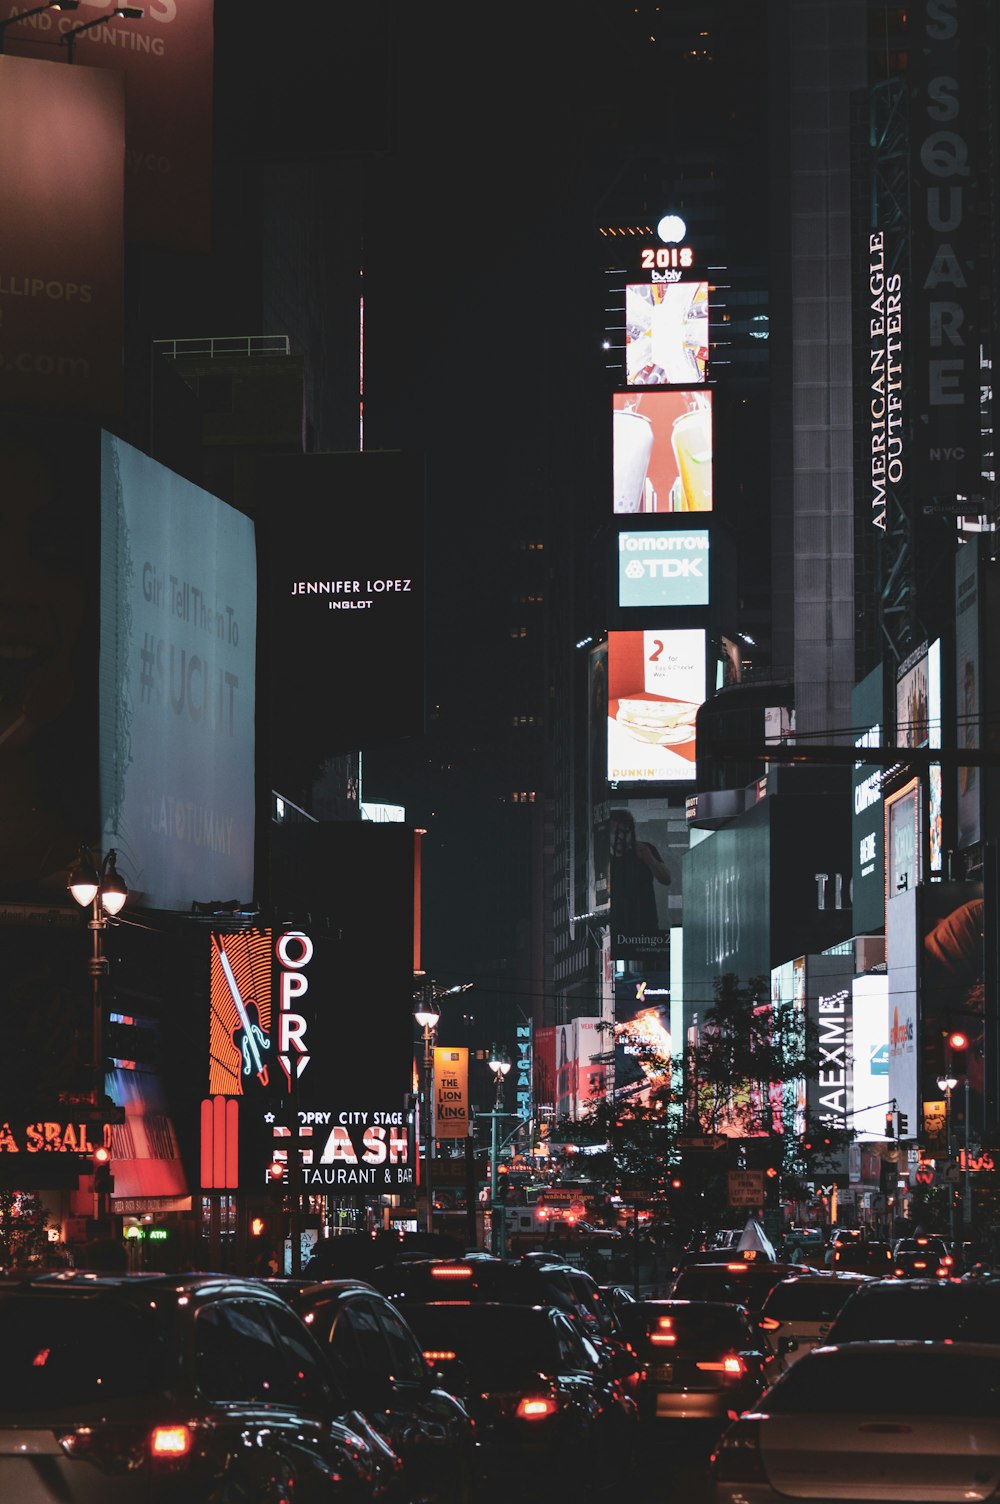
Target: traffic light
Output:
[(258, 1227), (957, 1052), (903, 1124), (104, 1181), (890, 1125)]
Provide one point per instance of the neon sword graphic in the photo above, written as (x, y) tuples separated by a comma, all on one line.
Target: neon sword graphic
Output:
[(253, 1035)]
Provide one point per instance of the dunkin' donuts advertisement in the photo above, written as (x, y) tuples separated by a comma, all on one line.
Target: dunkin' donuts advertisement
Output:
[(656, 682)]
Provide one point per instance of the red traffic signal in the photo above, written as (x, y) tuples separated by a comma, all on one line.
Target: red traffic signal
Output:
[(957, 1040), (771, 1173), (957, 1049), (104, 1181)]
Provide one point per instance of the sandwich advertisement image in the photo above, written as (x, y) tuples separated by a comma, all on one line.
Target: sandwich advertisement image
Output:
[(656, 682), (662, 451)]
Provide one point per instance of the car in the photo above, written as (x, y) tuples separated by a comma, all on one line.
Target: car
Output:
[(704, 1361), (549, 1418), (798, 1312), (922, 1257), (867, 1256), (380, 1367), (617, 1296), (954, 1310), (717, 1256), (527, 1281), (739, 1281), (869, 1420), (174, 1389)]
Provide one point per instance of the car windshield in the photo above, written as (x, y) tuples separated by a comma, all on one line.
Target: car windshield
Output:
[(893, 1381), (713, 1326), (961, 1313), (807, 1302), (59, 1351)]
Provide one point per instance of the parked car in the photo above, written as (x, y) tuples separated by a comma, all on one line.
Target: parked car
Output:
[(380, 1367), (799, 1311), (922, 1257), (952, 1310), (704, 1361), (549, 1417), (175, 1389), (737, 1281), (869, 1420)]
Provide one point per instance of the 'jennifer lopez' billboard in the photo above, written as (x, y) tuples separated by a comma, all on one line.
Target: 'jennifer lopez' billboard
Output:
[(656, 682)]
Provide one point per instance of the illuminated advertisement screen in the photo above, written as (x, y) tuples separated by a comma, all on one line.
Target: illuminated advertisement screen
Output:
[(868, 837), (178, 672), (666, 333), (642, 1037), (912, 701), (656, 682), (663, 569), (871, 1055), (661, 446)]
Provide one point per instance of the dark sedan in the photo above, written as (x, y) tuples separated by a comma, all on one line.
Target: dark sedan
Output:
[(174, 1389), (704, 1361), (379, 1365), (548, 1415)]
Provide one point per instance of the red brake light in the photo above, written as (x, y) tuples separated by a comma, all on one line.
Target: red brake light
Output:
[(170, 1441), (736, 1268), (439, 1355), (947, 1260), (451, 1271), (732, 1366), (535, 1407), (662, 1339)]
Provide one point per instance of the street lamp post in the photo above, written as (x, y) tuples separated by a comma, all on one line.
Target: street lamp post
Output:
[(499, 1064), (966, 1182), (947, 1084), (428, 1016), (104, 892)]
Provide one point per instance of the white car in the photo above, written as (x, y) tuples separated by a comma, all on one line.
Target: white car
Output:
[(892, 1421), (798, 1313)]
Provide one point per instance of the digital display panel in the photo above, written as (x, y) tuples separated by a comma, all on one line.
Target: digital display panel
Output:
[(663, 569), (871, 1055), (661, 445), (656, 682), (666, 333)]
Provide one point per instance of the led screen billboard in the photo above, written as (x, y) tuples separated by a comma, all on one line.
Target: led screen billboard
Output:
[(342, 587), (666, 333), (661, 447), (663, 569), (178, 667), (656, 682), (581, 1073), (642, 1037), (867, 834), (61, 277), (597, 778), (871, 1054), (642, 878)]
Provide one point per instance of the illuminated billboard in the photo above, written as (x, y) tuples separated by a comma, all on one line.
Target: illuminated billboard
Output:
[(871, 1054), (666, 333), (656, 682), (661, 446), (61, 277), (178, 670), (643, 1049), (663, 569), (867, 833), (161, 53)]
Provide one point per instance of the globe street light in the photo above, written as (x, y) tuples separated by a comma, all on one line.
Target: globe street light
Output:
[(947, 1084), (499, 1063), (104, 892), (428, 1016)]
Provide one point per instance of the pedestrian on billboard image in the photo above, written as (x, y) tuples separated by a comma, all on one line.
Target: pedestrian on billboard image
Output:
[(636, 866)]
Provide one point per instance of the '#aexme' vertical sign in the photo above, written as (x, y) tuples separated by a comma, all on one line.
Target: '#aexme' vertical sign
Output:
[(885, 365)]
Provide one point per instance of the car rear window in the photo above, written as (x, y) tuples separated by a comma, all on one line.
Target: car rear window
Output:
[(746, 1287), (894, 1381), (482, 1281), (484, 1335), (961, 1313), (60, 1352), (819, 1302), (690, 1324)]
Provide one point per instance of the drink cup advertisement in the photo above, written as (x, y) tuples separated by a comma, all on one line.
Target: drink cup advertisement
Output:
[(662, 451), (656, 682), (666, 333)]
